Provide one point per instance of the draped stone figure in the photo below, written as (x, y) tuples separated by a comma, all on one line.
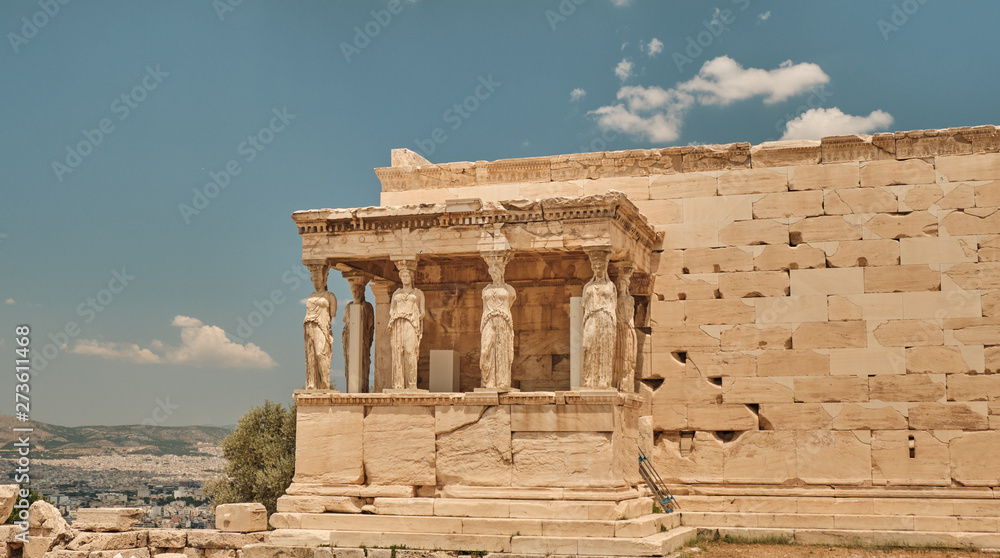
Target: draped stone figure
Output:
[(625, 339), (367, 330), (600, 301), (497, 326), (406, 314), (321, 308)]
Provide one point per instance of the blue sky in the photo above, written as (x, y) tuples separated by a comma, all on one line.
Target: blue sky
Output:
[(119, 115)]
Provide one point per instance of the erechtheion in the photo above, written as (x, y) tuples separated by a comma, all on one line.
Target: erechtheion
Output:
[(803, 336)]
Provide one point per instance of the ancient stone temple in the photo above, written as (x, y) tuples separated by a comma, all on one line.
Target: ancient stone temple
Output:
[(803, 336)]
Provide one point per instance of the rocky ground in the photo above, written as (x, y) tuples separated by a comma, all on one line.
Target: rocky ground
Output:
[(718, 549)]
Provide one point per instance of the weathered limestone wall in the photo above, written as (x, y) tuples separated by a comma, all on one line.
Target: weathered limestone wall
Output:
[(824, 313)]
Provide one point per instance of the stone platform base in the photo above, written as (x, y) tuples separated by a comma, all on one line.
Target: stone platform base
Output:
[(649, 535)]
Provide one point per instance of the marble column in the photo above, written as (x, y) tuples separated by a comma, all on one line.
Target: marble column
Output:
[(625, 337), (497, 325), (359, 326), (382, 291), (321, 308), (600, 301)]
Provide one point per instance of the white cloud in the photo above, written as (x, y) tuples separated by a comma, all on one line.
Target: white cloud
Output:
[(624, 69), (764, 16), (577, 94), (658, 114), (621, 3), (9, 301), (819, 122), (202, 346), (654, 47), (722, 81)]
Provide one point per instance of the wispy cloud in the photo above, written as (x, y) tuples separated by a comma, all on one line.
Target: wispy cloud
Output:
[(654, 47), (658, 114), (819, 122), (624, 69), (202, 346), (577, 94), (764, 16), (10, 301)]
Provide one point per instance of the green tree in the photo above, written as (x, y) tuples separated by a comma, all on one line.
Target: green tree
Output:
[(33, 495), (261, 456)]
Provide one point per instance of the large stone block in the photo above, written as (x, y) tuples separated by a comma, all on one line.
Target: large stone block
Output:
[(936, 360), (701, 234), (328, 445), (823, 177), (167, 538), (480, 453), (669, 417), (987, 194), (795, 416), (975, 458), (683, 185), (976, 276), (753, 284), (718, 311), (889, 172), (989, 248), (847, 280), (687, 391), (717, 260), (902, 278), (948, 416), (241, 518), (791, 309), (980, 387), (938, 305), (909, 333), (935, 250), (561, 418), (910, 225), (717, 209), (567, 459), (399, 445), (868, 416), (753, 181), (830, 389), (758, 231), (45, 520), (968, 222), (8, 497), (783, 257), (869, 361), (789, 204), (721, 417), (859, 200), (688, 457), (760, 457), (863, 253), (895, 463), (823, 229), (107, 519), (793, 362), (669, 339), (755, 391), (749, 337), (832, 458), (208, 538), (981, 166), (909, 387), (716, 364), (830, 335), (106, 541), (662, 212)]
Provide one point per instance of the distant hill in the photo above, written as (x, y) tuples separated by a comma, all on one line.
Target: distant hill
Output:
[(49, 441)]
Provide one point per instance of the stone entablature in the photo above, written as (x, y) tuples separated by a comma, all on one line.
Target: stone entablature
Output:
[(336, 398), (670, 160)]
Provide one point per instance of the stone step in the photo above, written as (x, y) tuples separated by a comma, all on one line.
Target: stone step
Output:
[(308, 544), (311, 527), (979, 507), (846, 521), (864, 537)]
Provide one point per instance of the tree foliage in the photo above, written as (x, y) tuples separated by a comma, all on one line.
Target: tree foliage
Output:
[(261, 456)]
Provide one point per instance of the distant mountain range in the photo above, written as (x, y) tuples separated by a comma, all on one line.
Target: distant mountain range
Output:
[(49, 441)]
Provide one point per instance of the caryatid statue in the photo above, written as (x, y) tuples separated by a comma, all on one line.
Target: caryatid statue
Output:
[(600, 301), (321, 308), (497, 326), (358, 284), (406, 315), (625, 340)]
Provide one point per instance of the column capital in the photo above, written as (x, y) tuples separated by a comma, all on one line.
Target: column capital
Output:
[(318, 273)]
